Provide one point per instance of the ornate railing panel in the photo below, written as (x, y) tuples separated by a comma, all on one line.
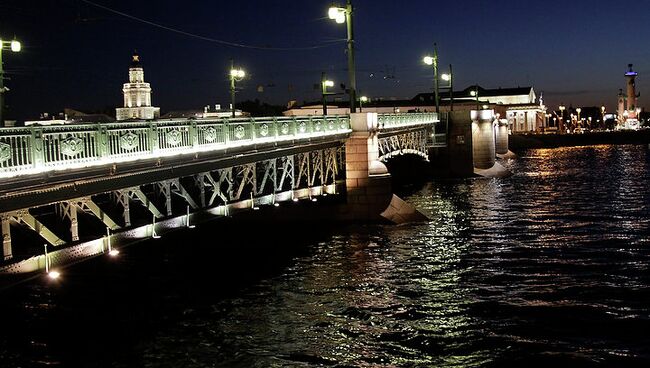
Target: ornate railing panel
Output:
[(390, 121), (35, 149)]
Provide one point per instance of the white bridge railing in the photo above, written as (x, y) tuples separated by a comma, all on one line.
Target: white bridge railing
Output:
[(403, 120), (34, 149), (28, 150)]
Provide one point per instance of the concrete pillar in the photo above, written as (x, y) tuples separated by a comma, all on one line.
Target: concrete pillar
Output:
[(368, 185), (483, 146), (502, 137)]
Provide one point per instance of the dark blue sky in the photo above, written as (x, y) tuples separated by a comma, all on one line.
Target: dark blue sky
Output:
[(77, 55)]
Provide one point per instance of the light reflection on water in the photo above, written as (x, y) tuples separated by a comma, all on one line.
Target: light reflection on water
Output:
[(547, 267)]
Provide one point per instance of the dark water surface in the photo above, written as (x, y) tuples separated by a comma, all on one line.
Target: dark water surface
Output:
[(549, 267)]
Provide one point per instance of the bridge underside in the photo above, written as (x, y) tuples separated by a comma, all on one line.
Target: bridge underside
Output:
[(118, 196)]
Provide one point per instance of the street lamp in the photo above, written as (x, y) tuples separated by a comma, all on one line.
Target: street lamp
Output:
[(324, 84), (362, 100), (474, 93), (561, 126), (449, 78), (235, 75), (433, 60), (578, 110), (15, 46), (344, 15)]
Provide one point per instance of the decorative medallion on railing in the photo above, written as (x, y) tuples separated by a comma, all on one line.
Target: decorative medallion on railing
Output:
[(330, 124), (318, 126), (284, 128), (174, 137), (264, 130), (343, 124), (5, 152), (129, 141), (72, 146), (210, 134), (240, 132), (302, 127)]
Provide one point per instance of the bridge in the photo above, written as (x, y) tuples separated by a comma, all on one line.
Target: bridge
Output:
[(108, 184)]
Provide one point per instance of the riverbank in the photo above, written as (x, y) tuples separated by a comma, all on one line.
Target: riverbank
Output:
[(525, 141)]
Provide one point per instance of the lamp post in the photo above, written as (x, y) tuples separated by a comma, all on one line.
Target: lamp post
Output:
[(561, 127), (362, 100), (579, 110), (235, 75), (450, 78), (433, 60), (344, 15), (324, 84), (14, 46), (474, 93), (602, 115)]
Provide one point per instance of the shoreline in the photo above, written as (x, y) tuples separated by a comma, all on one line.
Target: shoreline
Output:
[(525, 141)]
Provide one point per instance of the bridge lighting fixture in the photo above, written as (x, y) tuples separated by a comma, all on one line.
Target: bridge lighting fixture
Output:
[(328, 83), (362, 100), (428, 60), (235, 75), (337, 14), (344, 15), (472, 93), (445, 77), (53, 274), (113, 252), (14, 46)]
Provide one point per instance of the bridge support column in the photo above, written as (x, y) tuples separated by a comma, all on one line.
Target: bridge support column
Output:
[(6, 237), (502, 137), (483, 147), (367, 179), (69, 210)]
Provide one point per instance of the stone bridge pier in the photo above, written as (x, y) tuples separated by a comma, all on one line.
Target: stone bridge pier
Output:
[(368, 182)]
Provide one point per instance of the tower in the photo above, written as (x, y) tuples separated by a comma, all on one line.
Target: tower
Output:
[(631, 91), (137, 95)]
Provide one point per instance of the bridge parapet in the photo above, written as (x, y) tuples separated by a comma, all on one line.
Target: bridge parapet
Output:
[(35, 149), (405, 120)]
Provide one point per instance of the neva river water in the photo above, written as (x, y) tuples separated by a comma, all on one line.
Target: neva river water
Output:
[(549, 267)]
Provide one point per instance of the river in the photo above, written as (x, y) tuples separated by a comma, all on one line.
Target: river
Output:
[(547, 267)]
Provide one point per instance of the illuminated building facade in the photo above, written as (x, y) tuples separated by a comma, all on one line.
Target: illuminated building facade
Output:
[(137, 95), (628, 111)]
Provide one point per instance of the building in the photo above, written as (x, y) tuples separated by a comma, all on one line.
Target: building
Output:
[(517, 105), (70, 116), (628, 111), (207, 112), (137, 95)]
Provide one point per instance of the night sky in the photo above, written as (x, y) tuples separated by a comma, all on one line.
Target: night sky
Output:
[(77, 55)]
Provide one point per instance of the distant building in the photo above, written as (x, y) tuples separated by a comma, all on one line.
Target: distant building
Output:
[(517, 105), (207, 112), (137, 95), (70, 116), (628, 111)]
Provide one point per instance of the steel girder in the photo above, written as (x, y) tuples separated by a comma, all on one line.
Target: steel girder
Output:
[(412, 142)]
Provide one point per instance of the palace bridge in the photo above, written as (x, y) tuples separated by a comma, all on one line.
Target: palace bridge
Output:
[(110, 184)]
